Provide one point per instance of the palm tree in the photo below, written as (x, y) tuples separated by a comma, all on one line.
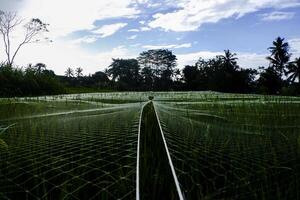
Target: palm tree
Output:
[(279, 55), (229, 59), (79, 71), (69, 72), (293, 70)]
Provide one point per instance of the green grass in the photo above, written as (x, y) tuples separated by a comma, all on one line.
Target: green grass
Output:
[(84, 146)]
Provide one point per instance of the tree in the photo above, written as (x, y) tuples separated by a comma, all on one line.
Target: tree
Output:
[(78, 72), (147, 78), (125, 72), (33, 29), (279, 55), (270, 81), (40, 67), (229, 60), (69, 72), (190, 77), (293, 70), (161, 64)]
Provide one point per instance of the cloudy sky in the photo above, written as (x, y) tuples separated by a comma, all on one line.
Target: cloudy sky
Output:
[(89, 33)]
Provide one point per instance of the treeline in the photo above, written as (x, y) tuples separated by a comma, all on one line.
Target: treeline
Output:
[(157, 70), (32, 81)]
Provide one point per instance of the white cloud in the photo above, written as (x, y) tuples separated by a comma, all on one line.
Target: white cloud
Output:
[(134, 30), (145, 28), (132, 37), (86, 39), (61, 54), (67, 16), (142, 29), (108, 30), (252, 60), (191, 14), (277, 16), (295, 47), (171, 46), (246, 60)]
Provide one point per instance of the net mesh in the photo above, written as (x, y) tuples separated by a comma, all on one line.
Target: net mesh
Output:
[(86, 155), (234, 151), (85, 146)]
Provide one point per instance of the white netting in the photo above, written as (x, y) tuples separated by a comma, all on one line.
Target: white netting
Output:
[(234, 151), (86, 155)]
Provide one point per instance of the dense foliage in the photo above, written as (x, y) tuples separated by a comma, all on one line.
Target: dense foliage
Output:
[(29, 82), (119, 146), (157, 70)]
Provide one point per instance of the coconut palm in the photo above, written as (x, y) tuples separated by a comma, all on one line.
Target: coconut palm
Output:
[(79, 71), (69, 72), (229, 59), (279, 55), (293, 70)]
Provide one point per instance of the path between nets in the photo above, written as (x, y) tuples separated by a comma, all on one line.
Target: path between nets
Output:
[(155, 176)]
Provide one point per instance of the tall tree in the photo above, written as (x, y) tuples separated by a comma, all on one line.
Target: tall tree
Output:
[(125, 72), (161, 62), (78, 72), (69, 72), (33, 29), (229, 60), (279, 55), (293, 70)]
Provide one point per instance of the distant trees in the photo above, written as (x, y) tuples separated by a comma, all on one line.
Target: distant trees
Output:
[(69, 72), (78, 72), (28, 82), (219, 74), (271, 80), (40, 67), (157, 68), (125, 72), (8, 23)]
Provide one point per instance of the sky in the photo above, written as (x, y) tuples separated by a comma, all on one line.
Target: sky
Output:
[(89, 33)]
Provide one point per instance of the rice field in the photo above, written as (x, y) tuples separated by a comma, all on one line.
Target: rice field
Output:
[(180, 145)]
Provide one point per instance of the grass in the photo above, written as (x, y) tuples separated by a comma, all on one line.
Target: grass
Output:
[(84, 146), (236, 150), (155, 173)]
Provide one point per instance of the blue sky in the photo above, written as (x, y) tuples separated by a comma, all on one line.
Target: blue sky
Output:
[(89, 33)]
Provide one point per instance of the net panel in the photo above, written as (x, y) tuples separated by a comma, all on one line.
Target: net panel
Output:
[(234, 151), (86, 155)]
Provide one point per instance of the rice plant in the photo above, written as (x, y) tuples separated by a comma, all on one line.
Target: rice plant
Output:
[(170, 145)]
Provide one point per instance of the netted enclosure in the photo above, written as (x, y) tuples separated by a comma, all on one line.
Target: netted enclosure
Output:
[(234, 150), (157, 145), (84, 154)]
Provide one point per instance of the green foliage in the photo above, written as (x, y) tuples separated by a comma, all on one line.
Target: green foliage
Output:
[(157, 68), (125, 72), (32, 81), (219, 74), (233, 146), (279, 55), (84, 146)]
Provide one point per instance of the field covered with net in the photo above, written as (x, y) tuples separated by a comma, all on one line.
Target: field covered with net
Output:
[(181, 145)]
